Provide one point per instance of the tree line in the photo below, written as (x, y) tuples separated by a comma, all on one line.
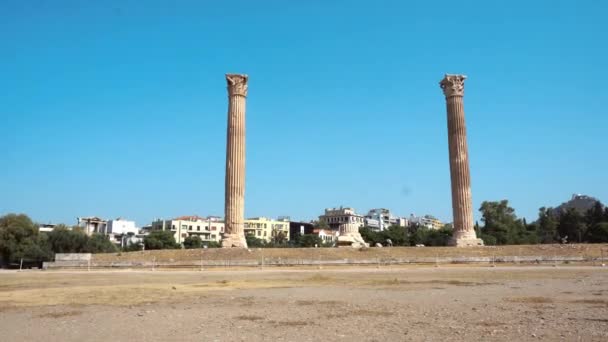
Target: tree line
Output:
[(501, 226), (20, 237)]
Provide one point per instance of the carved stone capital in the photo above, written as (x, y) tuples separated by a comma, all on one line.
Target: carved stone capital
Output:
[(237, 84), (453, 85)]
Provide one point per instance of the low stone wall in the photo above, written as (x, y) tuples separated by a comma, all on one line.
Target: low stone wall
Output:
[(73, 257), (283, 262)]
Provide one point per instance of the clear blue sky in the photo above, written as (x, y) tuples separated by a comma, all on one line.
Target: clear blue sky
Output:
[(118, 108)]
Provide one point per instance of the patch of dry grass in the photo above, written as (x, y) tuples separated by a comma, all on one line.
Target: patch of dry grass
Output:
[(530, 300), (60, 314), (591, 301), (291, 323), (249, 318), (372, 313), (317, 302), (395, 281)]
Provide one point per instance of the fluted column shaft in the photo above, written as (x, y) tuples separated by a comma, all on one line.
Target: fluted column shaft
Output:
[(462, 203), (235, 163)]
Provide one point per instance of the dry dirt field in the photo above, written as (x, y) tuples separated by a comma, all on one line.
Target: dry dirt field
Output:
[(456, 303)]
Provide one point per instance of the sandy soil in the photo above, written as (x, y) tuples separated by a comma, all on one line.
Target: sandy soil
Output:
[(457, 303)]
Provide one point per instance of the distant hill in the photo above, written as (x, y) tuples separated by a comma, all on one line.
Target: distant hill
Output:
[(580, 203)]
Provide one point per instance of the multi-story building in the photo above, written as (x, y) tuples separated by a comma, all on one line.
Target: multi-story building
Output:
[(427, 221), (267, 229), (119, 228), (336, 217), (92, 224), (209, 228), (297, 229), (380, 219)]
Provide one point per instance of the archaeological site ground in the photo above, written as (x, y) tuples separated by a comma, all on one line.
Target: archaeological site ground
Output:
[(522, 301)]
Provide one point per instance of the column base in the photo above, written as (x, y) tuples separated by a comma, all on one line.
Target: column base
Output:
[(353, 240), (465, 242), (234, 240)]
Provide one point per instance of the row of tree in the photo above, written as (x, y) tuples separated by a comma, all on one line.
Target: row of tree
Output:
[(20, 239), (501, 226)]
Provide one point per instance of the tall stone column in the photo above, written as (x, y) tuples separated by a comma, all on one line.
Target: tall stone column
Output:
[(462, 206), (234, 208)]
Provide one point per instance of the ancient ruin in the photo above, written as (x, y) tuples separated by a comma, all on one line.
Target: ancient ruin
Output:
[(234, 208), (462, 206)]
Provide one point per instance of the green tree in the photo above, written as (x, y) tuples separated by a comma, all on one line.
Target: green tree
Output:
[(371, 236), (571, 225), (396, 234), (598, 233), (160, 239), (310, 240), (193, 241), (99, 243), (595, 214), (279, 238), (65, 240), (488, 240), (19, 239), (212, 244), (501, 222), (431, 237), (254, 242), (547, 225)]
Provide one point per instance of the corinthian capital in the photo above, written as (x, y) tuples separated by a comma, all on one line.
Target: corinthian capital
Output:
[(453, 85), (237, 84)]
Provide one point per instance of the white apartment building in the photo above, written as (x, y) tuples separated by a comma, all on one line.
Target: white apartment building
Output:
[(118, 228), (381, 218), (209, 228), (327, 235), (427, 221), (121, 226)]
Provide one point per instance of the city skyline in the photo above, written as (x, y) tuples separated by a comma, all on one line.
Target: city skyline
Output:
[(111, 112)]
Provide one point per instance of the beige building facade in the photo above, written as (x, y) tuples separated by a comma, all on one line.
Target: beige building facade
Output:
[(267, 229), (209, 229)]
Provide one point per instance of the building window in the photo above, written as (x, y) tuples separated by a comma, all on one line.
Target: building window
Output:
[(212, 227), (259, 232), (198, 228)]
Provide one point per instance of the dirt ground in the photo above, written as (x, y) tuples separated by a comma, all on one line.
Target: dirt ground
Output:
[(456, 303)]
